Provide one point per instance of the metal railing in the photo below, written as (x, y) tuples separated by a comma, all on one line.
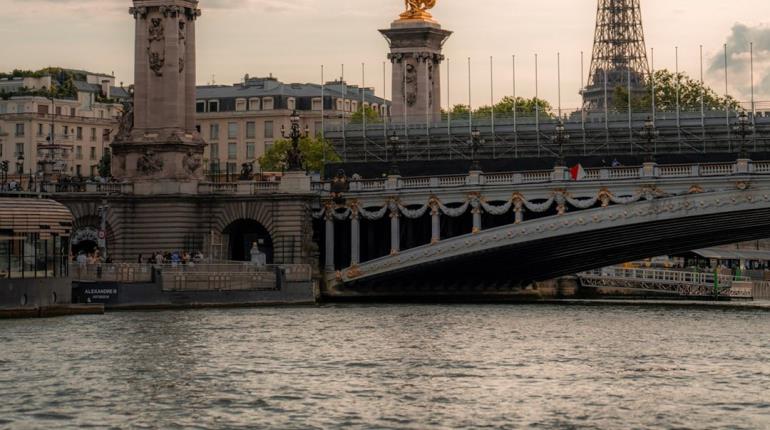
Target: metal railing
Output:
[(683, 283), (562, 175)]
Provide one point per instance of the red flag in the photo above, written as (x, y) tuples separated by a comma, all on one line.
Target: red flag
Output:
[(577, 172)]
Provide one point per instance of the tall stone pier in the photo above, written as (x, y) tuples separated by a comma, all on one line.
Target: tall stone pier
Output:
[(158, 147), (416, 41)]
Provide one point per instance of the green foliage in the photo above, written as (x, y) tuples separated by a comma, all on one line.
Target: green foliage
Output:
[(372, 116), (523, 106), (690, 92), (312, 152), (105, 165), (62, 82)]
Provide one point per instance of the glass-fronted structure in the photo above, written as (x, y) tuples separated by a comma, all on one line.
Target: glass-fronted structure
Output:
[(34, 239)]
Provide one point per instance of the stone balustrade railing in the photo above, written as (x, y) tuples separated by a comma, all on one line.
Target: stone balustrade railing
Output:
[(558, 174)]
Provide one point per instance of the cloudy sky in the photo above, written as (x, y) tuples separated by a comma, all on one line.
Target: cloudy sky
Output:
[(292, 39)]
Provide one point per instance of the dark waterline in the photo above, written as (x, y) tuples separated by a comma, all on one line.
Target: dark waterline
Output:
[(390, 366)]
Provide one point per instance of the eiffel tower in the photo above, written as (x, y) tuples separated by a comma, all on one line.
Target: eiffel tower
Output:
[(619, 52)]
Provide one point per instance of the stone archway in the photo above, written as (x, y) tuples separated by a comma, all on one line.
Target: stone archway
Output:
[(241, 234), (85, 239)]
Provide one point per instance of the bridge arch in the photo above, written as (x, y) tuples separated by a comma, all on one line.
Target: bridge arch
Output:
[(242, 234)]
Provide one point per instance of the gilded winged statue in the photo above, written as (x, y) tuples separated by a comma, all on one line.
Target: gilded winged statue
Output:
[(418, 9)]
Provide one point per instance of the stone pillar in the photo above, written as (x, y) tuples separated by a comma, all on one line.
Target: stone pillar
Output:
[(329, 265), (395, 231), (157, 146), (415, 52), (355, 237), (476, 211), (435, 221)]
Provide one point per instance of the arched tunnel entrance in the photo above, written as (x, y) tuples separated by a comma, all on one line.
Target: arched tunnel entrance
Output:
[(242, 234)]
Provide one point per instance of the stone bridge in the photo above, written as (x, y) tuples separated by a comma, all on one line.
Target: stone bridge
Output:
[(509, 229)]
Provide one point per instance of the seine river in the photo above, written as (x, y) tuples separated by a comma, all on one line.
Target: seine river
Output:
[(390, 366)]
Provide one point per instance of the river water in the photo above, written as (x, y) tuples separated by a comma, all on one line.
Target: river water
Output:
[(390, 366)]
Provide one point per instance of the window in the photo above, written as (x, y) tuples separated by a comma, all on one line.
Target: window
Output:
[(19, 130), (340, 104), (251, 130), (214, 131), (291, 104), (318, 127), (1, 149), (269, 129), (250, 150), (232, 151), (214, 149), (354, 107), (58, 110), (79, 133), (72, 113), (268, 146), (200, 106), (93, 171), (19, 149), (253, 104), (78, 152), (40, 129), (93, 134), (267, 103), (213, 105), (317, 104), (92, 154), (240, 105), (65, 130), (106, 134), (347, 105), (79, 170), (232, 130)]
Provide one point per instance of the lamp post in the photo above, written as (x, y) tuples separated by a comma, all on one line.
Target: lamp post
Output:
[(650, 134), (743, 127), (294, 156), (394, 148), (475, 143), (560, 138), (4, 171), (20, 169)]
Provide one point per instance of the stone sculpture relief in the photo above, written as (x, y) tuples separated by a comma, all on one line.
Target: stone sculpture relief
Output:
[(156, 50), (191, 163), (149, 163), (182, 45), (411, 84)]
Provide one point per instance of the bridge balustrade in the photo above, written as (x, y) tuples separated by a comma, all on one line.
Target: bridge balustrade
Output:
[(425, 210)]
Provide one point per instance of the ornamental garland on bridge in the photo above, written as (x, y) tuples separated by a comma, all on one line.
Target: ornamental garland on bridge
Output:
[(517, 202)]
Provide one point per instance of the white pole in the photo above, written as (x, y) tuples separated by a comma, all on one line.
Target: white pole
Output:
[(385, 113), (537, 110), (470, 103), (406, 118), (702, 102), (606, 113), (448, 108), (582, 105), (652, 76), (558, 79), (344, 103), (751, 67), (630, 118), (492, 103), (727, 108), (515, 131), (363, 109), (323, 133), (678, 83)]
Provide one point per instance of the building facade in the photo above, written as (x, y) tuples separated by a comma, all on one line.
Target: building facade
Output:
[(241, 122), (68, 134)]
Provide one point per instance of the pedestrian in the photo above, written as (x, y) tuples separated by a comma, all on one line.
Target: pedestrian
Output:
[(139, 259)]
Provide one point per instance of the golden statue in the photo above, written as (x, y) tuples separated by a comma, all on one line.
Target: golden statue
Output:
[(418, 9)]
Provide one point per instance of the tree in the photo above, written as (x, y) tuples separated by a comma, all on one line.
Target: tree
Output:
[(105, 165), (524, 107), (372, 116), (690, 91), (312, 152)]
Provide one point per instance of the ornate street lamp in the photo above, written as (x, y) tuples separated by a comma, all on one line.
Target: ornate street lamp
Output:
[(475, 143), (743, 127), (4, 171), (294, 156), (20, 166), (560, 138), (394, 148), (650, 134)]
